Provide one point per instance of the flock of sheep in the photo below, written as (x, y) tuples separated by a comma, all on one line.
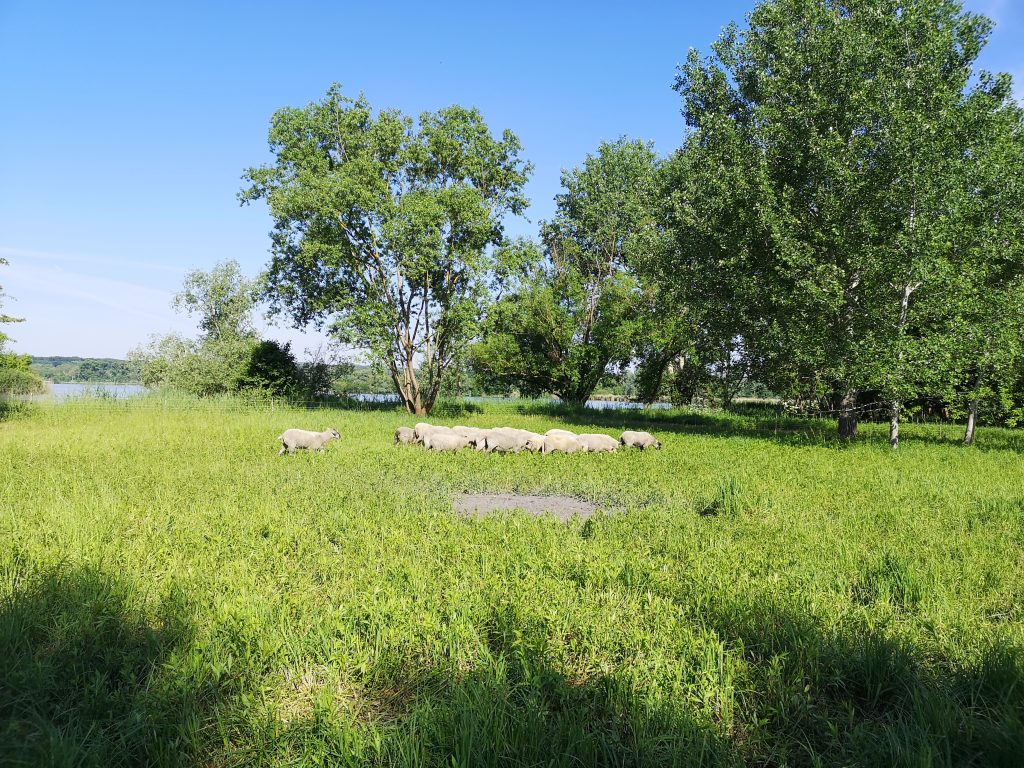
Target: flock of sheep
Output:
[(511, 440), (499, 439)]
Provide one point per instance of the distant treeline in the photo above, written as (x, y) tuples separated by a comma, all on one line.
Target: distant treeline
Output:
[(61, 370)]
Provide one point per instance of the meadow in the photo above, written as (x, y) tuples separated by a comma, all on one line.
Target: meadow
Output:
[(174, 593)]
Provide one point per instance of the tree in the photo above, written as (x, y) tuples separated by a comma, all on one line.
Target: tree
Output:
[(15, 376), (384, 228), (223, 298), (825, 145), (980, 339), (574, 313), (222, 359)]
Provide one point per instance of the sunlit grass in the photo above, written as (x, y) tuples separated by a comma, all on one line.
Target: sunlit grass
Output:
[(173, 592)]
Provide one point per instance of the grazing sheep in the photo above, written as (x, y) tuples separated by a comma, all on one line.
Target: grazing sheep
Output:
[(563, 443), (535, 443), (592, 443), (422, 429), (562, 432), (436, 440), (301, 439), (641, 440), (475, 434), (405, 435), (504, 441), (480, 441)]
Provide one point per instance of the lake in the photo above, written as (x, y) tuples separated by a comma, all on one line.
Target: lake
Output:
[(116, 391), (62, 392)]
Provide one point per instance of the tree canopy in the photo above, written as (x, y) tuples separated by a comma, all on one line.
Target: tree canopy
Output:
[(571, 314), (820, 182), (384, 228)]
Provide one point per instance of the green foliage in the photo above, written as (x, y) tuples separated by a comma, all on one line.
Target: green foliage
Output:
[(228, 356), (573, 316), (819, 189), (198, 367), (383, 228), (224, 300), (85, 369), (271, 368), (16, 378), (15, 362), (173, 593), (18, 381)]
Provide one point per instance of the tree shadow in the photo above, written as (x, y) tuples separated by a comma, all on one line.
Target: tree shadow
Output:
[(771, 424), (82, 679), (853, 694), (514, 706)]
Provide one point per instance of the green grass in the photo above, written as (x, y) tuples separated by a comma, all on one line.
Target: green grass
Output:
[(174, 593)]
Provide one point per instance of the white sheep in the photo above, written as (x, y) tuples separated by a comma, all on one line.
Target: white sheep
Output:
[(302, 439), (405, 435), (474, 434), (535, 443), (641, 440), (504, 441), (436, 440), (422, 429), (593, 443), (563, 443), (562, 432)]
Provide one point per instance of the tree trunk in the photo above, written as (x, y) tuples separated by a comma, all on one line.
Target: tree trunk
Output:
[(894, 424), (972, 421), (848, 415)]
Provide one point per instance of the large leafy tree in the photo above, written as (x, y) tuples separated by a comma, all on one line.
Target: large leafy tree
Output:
[(384, 228), (829, 137), (981, 341), (574, 313)]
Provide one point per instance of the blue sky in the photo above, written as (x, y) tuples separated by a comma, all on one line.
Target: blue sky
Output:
[(127, 126)]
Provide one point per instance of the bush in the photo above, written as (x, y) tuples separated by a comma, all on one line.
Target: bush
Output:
[(14, 381)]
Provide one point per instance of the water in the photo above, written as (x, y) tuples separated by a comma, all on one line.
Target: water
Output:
[(62, 392), (600, 405)]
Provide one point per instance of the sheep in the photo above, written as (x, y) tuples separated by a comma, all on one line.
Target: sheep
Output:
[(562, 432), (296, 439), (535, 443), (504, 441), (436, 440), (592, 443), (563, 443), (423, 428), (475, 434), (641, 440), (405, 435)]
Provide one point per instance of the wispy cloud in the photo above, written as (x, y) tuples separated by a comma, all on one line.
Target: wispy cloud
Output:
[(31, 254)]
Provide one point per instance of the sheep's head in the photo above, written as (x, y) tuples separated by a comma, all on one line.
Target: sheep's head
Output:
[(333, 434)]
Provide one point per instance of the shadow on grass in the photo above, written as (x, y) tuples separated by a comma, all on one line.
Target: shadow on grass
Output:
[(853, 695), (514, 706), (774, 425), (80, 681)]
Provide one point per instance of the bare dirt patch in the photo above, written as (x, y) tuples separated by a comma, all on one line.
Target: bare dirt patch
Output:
[(562, 507)]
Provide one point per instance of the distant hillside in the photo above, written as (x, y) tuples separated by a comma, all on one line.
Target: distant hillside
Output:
[(61, 370)]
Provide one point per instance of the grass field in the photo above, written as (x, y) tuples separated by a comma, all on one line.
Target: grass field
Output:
[(174, 593)]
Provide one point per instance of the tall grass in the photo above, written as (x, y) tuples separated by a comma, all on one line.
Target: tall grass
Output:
[(174, 593)]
